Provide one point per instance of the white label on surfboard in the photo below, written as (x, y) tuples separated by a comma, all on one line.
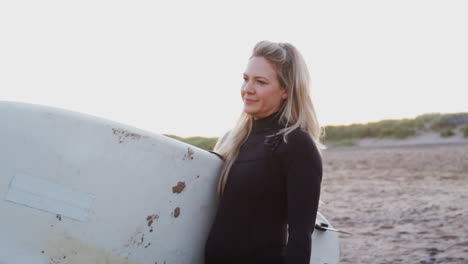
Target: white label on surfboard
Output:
[(50, 197)]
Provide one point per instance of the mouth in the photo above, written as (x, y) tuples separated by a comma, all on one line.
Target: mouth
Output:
[(249, 101)]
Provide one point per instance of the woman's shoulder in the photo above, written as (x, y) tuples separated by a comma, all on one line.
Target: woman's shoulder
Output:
[(299, 140), (300, 146)]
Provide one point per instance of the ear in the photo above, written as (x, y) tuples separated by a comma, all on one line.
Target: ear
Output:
[(285, 95)]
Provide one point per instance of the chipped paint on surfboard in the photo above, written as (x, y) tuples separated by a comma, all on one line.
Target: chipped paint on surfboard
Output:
[(80, 189)]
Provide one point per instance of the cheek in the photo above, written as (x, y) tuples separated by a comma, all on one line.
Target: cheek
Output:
[(276, 100)]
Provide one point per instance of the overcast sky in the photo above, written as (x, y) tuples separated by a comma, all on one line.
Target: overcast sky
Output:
[(176, 66)]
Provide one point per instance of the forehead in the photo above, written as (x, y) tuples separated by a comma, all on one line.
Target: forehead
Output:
[(260, 67)]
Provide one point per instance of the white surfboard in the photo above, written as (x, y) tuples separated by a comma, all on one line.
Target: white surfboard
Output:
[(76, 189)]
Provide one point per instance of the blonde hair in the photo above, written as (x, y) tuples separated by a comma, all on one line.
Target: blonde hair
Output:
[(296, 112)]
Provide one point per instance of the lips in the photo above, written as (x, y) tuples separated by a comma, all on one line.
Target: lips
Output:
[(249, 101)]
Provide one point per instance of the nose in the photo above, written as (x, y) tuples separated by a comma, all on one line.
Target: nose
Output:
[(248, 87)]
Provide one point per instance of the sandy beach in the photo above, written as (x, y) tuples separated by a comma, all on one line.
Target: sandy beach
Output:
[(403, 203)]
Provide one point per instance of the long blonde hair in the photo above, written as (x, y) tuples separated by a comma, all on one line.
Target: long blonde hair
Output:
[(296, 112)]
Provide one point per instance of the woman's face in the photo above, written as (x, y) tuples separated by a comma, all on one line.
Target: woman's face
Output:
[(261, 91)]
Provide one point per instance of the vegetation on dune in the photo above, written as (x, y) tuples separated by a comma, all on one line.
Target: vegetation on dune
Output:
[(447, 133), (347, 135), (464, 130), (399, 129), (201, 142), (385, 128)]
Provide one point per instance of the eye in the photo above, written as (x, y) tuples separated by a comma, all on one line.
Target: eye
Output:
[(245, 78), (261, 82)]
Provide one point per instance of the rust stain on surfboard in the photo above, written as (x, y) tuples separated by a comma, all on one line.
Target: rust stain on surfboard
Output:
[(176, 212), (150, 219), (124, 135), (70, 250), (189, 154), (179, 187)]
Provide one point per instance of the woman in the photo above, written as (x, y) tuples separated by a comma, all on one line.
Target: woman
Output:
[(270, 184)]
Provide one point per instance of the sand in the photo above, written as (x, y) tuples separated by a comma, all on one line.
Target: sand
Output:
[(403, 204)]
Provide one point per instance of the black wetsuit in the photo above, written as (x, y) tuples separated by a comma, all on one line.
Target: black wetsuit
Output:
[(272, 192)]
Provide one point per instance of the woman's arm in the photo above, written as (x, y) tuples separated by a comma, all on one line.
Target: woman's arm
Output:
[(304, 176)]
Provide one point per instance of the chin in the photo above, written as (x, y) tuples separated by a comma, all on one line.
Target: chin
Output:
[(249, 110)]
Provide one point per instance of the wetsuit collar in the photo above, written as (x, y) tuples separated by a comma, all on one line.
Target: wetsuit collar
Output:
[(266, 123)]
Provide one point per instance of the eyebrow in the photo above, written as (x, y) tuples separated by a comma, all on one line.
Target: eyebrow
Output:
[(257, 77)]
